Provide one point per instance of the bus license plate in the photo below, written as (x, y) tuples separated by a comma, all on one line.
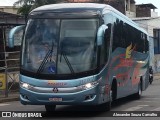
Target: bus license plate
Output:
[(55, 99)]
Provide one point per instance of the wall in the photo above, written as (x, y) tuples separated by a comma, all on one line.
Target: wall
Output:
[(157, 63), (130, 14), (143, 12), (151, 52), (154, 14), (142, 23), (9, 9), (117, 4), (149, 24)]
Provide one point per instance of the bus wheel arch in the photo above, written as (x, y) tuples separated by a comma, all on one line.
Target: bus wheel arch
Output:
[(112, 96)]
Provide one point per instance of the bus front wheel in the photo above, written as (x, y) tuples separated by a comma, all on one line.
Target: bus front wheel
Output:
[(50, 108), (107, 106)]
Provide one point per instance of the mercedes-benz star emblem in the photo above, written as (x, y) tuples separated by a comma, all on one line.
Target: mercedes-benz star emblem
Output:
[(55, 90)]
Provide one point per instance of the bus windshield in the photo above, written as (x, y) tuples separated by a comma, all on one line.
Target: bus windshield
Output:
[(55, 46)]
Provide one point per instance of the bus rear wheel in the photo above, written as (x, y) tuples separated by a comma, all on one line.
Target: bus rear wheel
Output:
[(150, 79), (139, 93), (50, 108), (114, 90)]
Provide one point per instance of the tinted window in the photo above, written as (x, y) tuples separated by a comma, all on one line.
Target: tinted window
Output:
[(108, 21), (125, 36), (119, 35)]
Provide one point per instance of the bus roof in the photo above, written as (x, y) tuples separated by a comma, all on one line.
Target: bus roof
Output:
[(62, 6), (92, 7)]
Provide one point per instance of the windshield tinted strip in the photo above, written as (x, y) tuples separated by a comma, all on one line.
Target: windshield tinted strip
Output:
[(81, 14), (59, 77)]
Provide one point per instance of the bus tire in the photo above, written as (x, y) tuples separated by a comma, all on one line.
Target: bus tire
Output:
[(150, 79), (139, 93), (50, 108), (107, 106), (114, 90)]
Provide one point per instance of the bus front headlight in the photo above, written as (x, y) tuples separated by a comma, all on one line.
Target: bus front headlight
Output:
[(25, 85), (89, 85)]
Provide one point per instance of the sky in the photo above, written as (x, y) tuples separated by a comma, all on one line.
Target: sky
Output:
[(7, 2), (154, 2)]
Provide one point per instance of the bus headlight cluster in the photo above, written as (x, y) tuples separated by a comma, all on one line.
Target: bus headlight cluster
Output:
[(89, 85), (25, 85)]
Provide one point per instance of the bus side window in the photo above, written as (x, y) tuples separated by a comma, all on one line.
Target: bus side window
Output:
[(146, 44), (140, 42), (119, 37), (107, 40)]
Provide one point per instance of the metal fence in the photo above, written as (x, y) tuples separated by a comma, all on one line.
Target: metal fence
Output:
[(9, 73)]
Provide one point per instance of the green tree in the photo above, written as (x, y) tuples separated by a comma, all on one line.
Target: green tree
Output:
[(27, 5)]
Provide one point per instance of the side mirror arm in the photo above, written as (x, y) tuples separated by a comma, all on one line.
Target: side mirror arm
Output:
[(100, 34), (11, 35)]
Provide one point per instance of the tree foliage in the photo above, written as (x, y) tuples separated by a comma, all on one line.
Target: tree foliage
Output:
[(27, 5)]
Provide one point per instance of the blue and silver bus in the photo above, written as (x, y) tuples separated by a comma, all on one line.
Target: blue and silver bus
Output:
[(81, 54)]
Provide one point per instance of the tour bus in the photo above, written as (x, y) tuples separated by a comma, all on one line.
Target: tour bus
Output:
[(81, 54)]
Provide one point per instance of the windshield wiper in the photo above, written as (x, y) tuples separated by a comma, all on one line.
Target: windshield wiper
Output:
[(67, 61), (41, 67), (49, 54)]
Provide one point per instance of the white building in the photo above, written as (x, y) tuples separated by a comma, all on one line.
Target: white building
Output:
[(9, 9), (152, 26), (148, 23)]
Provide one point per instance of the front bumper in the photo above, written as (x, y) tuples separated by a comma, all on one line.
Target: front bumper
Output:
[(85, 97)]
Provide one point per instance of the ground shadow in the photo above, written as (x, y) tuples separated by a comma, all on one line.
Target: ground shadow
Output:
[(87, 111)]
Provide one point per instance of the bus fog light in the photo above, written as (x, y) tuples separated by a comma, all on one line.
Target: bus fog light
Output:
[(87, 97)]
